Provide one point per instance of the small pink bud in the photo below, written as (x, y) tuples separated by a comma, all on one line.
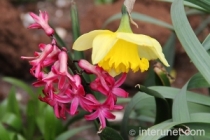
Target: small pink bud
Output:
[(41, 22)]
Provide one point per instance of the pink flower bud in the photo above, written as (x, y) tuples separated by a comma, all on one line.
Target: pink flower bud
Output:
[(41, 22)]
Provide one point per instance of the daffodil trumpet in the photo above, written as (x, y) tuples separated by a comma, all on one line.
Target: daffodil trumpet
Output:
[(118, 52)]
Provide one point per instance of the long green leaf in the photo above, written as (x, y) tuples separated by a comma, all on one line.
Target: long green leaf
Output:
[(137, 99), (162, 106), (75, 118), (206, 43), (189, 4), (12, 104), (165, 126), (31, 114), (4, 135), (169, 50), (159, 129), (189, 41), (170, 92), (197, 81), (139, 17), (3, 107), (195, 108), (202, 26), (202, 3), (180, 110), (110, 134), (70, 133), (200, 117), (13, 121), (75, 29), (20, 84), (51, 124)]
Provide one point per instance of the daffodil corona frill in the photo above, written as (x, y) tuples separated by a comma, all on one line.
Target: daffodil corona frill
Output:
[(119, 51)]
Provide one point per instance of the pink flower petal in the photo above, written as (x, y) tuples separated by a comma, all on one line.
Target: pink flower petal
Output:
[(74, 106), (92, 116), (108, 115), (121, 80), (120, 92)]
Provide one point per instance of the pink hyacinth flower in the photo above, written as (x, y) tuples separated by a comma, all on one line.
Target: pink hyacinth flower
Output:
[(102, 111), (38, 61), (104, 82), (78, 97), (60, 109), (41, 22)]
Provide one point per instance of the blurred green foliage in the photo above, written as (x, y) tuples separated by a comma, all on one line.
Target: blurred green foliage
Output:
[(33, 121)]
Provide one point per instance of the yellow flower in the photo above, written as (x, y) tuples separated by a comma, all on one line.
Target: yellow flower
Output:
[(122, 50)]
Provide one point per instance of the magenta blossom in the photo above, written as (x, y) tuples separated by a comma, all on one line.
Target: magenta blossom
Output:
[(60, 109), (105, 83), (102, 111), (64, 91), (41, 22)]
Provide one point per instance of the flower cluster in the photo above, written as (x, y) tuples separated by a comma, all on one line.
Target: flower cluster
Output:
[(63, 90)]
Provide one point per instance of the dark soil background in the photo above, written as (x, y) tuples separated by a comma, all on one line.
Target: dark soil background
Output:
[(16, 40)]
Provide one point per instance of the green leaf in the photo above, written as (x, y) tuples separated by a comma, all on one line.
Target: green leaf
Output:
[(197, 81), (150, 79), (200, 117), (51, 124), (12, 104), (163, 111), (202, 3), (139, 17), (19, 137), (161, 77), (170, 92), (70, 133), (169, 50), (189, 41), (60, 40), (75, 29), (110, 134), (165, 126), (20, 84), (13, 121), (137, 99), (4, 135), (75, 118), (39, 117), (191, 12), (180, 110), (31, 114), (3, 107), (186, 4), (206, 42), (123, 100), (202, 26), (195, 108)]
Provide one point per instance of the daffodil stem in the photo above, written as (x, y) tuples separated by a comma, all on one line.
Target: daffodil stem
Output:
[(125, 21)]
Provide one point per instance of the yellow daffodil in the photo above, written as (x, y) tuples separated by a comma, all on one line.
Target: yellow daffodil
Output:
[(122, 50)]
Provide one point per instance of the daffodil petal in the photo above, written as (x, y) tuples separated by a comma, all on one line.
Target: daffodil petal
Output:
[(85, 41), (101, 46), (148, 47)]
